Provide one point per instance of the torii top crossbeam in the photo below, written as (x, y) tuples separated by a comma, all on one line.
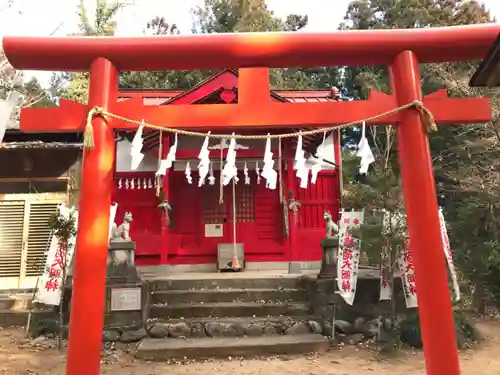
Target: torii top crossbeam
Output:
[(293, 49)]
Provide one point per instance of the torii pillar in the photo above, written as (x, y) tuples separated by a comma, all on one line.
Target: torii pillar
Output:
[(104, 57)]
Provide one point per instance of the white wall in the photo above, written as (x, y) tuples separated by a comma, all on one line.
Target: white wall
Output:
[(123, 159)]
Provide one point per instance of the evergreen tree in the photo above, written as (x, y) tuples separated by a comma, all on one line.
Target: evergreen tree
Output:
[(104, 25), (231, 16), (466, 170)]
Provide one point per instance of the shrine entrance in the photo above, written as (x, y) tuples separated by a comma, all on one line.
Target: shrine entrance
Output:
[(415, 116), (202, 221)]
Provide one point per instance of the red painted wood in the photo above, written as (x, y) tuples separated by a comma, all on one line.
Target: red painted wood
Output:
[(315, 200), (270, 115), (146, 229), (263, 236), (85, 337), (253, 88), (419, 190), (274, 114), (226, 79), (238, 50)]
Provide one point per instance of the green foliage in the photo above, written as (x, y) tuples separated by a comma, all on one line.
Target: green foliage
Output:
[(464, 159), (104, 25), (465, 331), (379, 194), (229, 16), (45, 327), (63, 225)]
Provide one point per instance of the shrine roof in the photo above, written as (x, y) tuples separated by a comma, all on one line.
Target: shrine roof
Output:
[(210, 91), (488, 72), (224, 79), (15, 139)]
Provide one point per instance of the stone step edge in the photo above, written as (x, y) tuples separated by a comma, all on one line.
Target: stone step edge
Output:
[(226, 290), (216, 305), (223, 347), (242, 319)]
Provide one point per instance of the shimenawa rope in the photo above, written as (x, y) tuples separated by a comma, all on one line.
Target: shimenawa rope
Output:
[(88, 141)]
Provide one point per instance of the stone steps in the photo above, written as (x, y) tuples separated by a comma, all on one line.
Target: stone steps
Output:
[(221, 315), (13, 303), (241, 282), (227, 309), (19, 318), (233, 327), (19, 302), (227, 295), (222, 347)]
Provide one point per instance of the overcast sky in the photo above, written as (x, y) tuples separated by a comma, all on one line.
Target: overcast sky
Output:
[(42, 17)]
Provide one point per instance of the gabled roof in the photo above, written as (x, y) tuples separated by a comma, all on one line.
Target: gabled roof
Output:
[(211, 89)]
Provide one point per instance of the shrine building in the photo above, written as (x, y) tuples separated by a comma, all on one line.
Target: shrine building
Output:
[(270, 233), (488, 72)]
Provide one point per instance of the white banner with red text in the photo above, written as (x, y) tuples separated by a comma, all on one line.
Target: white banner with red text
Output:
[(405, 262), (348, 255), (49, 286), (406, 267), (449, 256)]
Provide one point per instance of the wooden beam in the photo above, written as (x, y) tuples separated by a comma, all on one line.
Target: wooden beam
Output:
[(71, 116), (253, 86), (240, 50), (68, 117), (457, 110)]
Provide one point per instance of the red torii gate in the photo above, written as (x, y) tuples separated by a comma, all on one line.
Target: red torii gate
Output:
[(105, 57)]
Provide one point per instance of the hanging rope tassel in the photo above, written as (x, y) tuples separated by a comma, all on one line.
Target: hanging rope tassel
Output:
[(88, 135), (426, 116)]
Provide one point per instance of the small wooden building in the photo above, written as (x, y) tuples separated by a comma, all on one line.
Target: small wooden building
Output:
[(37, 173), (272, 236), (488, 73)]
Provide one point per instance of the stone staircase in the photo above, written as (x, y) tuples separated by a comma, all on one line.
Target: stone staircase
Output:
[(15, 306), (229, 316)]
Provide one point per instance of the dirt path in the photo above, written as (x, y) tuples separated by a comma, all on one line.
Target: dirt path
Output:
[(18, 356)]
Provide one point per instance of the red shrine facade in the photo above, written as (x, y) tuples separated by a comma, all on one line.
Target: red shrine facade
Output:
[(267, 228)]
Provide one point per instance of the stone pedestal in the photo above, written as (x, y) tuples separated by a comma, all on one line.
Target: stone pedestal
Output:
[(329, 261), (126, 293), (125, 290), (121, 264)]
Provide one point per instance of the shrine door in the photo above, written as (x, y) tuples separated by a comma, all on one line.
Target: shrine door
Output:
[(201, 223)]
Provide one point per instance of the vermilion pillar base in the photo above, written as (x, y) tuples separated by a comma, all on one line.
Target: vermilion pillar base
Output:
[(434, 304), (87, 304)]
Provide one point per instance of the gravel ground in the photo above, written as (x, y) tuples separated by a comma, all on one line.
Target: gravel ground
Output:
[(21, 356)]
